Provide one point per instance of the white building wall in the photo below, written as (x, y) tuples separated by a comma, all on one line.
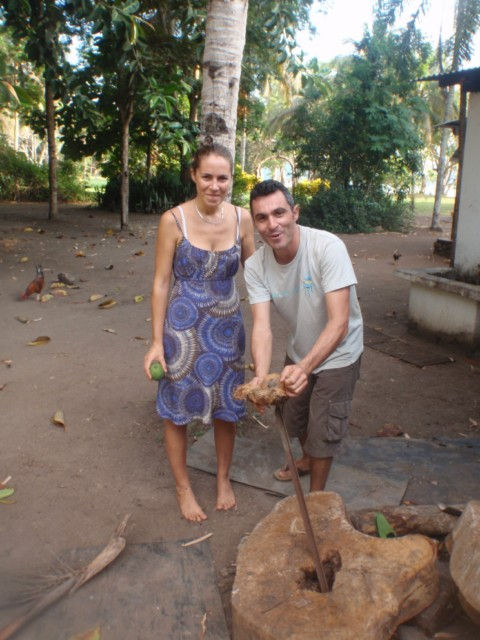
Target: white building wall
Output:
[(467, 250)]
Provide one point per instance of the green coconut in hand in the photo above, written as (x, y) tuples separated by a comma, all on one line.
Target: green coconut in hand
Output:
[(156, 370)]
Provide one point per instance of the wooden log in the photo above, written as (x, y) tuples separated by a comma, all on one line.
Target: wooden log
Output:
[(377, 583), (465, 559), (429, 520)]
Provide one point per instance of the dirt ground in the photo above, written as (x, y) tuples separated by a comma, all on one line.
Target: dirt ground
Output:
[(74, 484)]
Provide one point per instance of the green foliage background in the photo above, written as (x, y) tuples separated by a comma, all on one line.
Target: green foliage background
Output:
[(21, 179)]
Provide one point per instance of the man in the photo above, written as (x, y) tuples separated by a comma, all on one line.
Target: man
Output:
[(308, 276)]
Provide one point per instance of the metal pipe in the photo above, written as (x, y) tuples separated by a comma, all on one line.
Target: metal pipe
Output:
[(322, 580)]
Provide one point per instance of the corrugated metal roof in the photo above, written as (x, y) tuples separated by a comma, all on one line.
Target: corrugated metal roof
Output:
[(468, 78)]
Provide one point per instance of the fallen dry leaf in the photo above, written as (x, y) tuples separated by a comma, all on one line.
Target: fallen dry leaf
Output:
[(7, 363), (40, 341), (139, 253), (57, 285), (28, 229), (110, 331), (46, 297), (138, 298), (94, 297), (390, 430), (58, 419), (22, 319), (80, 254), (60, 292), (91, 634), (139, 338), (2, 386), (109, 267), (107, 304), (23, 259)]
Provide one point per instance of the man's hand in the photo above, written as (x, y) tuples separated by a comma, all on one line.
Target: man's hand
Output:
[(294, 378)]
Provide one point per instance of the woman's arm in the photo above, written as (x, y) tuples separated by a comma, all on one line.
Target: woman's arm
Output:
[(168, 237), (246, 236)]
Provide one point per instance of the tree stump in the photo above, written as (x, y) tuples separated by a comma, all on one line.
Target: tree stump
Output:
[(465, 559), (376, 583)]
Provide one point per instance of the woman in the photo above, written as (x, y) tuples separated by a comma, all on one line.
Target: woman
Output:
[(198, 334)]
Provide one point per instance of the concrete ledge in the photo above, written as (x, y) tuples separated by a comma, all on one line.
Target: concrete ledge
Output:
[(437, 278), (441, 307)]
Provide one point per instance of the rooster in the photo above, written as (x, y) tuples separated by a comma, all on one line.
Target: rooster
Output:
[(36, 285)]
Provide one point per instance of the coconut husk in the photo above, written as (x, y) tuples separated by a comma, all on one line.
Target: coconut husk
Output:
[(268, 391)]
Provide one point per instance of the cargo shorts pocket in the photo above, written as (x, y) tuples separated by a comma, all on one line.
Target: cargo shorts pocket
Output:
[(337, 424)]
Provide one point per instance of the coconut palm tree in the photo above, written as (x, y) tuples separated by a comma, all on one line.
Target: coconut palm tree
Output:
[(221, 66)]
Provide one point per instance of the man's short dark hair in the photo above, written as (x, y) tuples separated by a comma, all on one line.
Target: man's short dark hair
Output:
[(268, 187)]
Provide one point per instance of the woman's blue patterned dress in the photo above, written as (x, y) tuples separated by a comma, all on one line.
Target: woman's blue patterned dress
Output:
[(203, 336)]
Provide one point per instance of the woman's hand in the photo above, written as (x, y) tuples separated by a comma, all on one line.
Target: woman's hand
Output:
[(154, 353)]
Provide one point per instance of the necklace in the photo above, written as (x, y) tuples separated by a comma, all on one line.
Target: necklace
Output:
[(206, 218)]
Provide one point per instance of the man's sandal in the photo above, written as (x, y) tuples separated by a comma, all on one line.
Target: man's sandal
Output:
[(283, 474)]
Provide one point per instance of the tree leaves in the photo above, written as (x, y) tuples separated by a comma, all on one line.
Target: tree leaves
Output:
[(107, 304), (91, 634), (58, 419), (39, 342), (6, 493)]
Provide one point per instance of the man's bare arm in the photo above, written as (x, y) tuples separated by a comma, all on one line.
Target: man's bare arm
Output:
[(261, 343), (338, 310)]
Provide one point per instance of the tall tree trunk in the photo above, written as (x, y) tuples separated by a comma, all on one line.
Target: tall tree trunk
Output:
[(243, 145), (442, 160), (126, 114), (52, 152), (222, 60)]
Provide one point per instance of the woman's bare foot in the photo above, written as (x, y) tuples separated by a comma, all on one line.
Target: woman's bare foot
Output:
[(225, 496), (189, 506)]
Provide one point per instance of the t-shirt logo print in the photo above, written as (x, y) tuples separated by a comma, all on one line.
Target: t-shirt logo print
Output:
[(308, 285)]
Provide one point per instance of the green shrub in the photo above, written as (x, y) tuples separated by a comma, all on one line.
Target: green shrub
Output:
[(21, 179), (354, 211), (243, 183), (304, 190), (161, 192), (70, 184)]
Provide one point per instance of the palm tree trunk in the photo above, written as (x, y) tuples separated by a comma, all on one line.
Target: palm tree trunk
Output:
[(243, 145), (222, 60), (52, 152)]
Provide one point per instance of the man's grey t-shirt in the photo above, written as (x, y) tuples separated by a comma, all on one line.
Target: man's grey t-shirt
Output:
[(298, 289)]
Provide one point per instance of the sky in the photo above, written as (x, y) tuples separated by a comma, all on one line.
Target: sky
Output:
[(338, 22)]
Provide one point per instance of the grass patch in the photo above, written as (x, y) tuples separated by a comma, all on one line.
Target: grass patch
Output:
[(94, 184), (424, 206)]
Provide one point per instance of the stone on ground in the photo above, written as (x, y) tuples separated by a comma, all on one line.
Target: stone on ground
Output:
[(381, 582)]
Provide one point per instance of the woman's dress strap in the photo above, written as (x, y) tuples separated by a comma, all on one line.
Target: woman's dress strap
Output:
[(239, 218)]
